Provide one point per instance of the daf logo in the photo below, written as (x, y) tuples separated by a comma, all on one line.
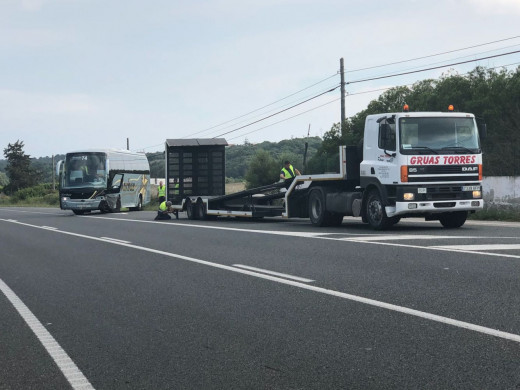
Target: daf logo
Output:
[(469, 169)]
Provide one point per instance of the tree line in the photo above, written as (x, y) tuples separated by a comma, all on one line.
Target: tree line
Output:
[(492, 95)]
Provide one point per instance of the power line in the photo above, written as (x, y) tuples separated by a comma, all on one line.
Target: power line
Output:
[(348, 95), (276, 113), (267, 112), (286, 119), (258, 109), (432, 55), (453, 59), (432, 68)]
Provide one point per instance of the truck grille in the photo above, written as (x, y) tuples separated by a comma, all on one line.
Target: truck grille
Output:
[(433, 173)]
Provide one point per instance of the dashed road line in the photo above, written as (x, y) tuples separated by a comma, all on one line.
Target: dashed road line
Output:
[(265, 271), (321, 290), (481, 247)]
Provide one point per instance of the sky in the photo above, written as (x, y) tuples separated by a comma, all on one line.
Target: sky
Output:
[(77, 74)]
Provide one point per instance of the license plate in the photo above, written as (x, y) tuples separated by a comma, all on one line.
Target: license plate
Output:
[(471, 188)]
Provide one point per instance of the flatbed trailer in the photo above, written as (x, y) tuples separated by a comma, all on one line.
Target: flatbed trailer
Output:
[(272, 201)]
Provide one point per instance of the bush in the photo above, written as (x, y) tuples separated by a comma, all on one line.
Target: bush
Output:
[(52, 199)]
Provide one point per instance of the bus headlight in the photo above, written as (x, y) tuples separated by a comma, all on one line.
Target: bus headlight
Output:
[(408, 196), (477, 194)]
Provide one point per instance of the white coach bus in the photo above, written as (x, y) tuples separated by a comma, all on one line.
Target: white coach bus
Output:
[(103, 179)]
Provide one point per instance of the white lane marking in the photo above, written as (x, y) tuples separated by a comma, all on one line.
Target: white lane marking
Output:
[(350, 297), (117, 240), (321, 236), (484, 247), (350, 220), (69, 369), (49, 227), (392, 237), (265, 271)]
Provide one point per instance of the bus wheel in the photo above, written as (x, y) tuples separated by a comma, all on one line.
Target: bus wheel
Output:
[(375, 211), (139, 206)]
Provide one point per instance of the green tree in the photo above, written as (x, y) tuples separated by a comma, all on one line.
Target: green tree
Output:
[(263, 170), (18, 168), (3, 179)]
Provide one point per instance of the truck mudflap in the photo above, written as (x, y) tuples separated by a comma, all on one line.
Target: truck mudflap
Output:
[(422, 208)]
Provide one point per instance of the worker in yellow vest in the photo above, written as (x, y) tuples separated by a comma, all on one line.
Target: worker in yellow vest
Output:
[(162, 192), (165, 208), (288, 172)]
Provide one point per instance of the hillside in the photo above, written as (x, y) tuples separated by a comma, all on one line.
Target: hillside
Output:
[(237, 157)]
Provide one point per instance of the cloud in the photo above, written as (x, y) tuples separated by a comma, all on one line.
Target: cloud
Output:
[(32, 5), (33, 37), (15, 104), (498, 7)]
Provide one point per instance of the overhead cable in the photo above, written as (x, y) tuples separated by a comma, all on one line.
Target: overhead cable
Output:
[(276, 113), (432, 68), (431, 55), (258, 109)]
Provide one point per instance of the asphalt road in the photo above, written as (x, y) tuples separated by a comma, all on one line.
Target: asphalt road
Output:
[(119, 301)]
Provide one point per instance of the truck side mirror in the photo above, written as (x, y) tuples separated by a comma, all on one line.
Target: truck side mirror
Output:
[(59, 164), (385, 132)]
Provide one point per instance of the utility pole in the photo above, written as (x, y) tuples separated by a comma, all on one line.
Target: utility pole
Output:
[(128, 144), (342, 72), (53, 178)]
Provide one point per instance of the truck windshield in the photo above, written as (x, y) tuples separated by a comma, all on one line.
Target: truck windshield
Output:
[(438, 135), (85, 170)]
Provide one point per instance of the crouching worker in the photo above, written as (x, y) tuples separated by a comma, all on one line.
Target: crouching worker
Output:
[(165, 208)]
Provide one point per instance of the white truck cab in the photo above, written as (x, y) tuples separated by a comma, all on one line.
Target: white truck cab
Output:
[(423, 164)]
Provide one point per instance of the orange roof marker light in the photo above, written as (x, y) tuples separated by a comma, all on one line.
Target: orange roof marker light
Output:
[(450, 107), (406, 108)]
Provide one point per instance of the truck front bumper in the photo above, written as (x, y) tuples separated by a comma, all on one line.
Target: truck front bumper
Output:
[(433, 207)]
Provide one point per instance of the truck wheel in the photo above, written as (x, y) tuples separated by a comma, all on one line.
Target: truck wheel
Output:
[(317, 212), (375, 212), (453, 220)]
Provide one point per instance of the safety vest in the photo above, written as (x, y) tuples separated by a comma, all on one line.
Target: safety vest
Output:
[(163, 207), (288, 174), (176, 190), (162, 191)]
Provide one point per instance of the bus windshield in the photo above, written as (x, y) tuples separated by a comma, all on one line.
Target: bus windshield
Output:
[(438, 135), (85, 170)]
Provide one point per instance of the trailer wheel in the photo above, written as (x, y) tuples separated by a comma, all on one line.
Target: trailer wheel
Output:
[(453, 220), (191, 211), (200, 210), (317, 212), (375, 212)]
